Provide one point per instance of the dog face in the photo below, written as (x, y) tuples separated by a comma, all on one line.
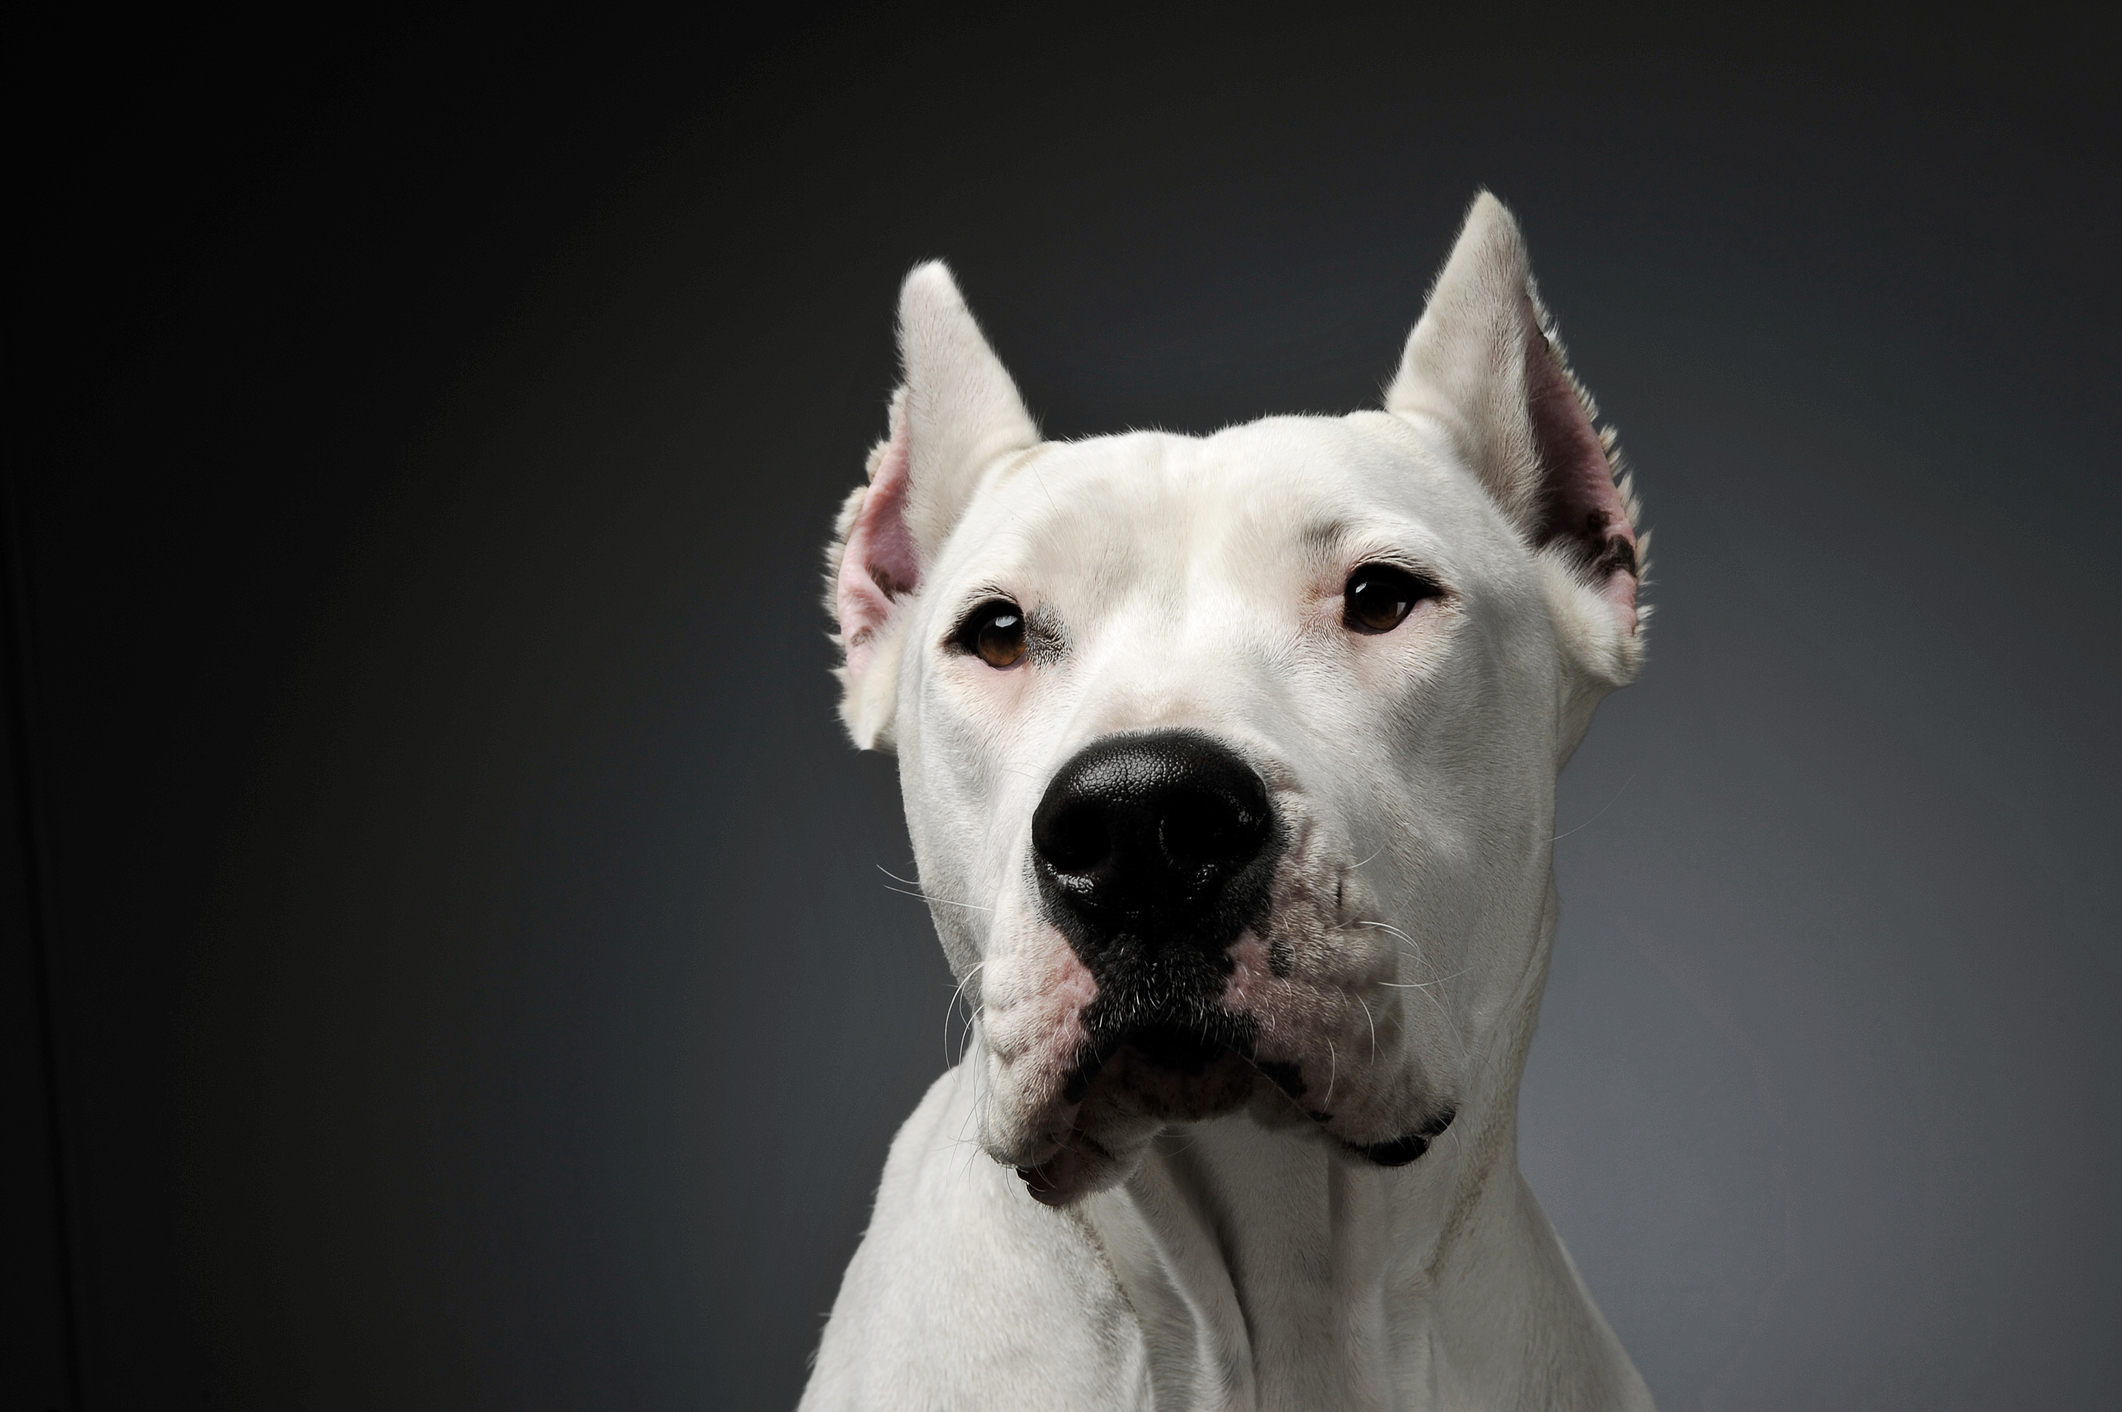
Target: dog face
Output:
[(1229, 762)]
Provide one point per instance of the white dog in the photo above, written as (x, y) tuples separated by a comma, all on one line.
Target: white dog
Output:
[(1230, 766)]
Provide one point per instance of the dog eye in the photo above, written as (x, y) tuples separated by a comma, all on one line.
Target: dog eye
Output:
[(1379, 597), (994, 632)]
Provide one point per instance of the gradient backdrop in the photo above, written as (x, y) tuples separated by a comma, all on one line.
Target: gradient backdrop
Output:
[(466, 978)]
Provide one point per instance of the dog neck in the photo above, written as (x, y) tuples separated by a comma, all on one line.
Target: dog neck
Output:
[(1269, 1268)]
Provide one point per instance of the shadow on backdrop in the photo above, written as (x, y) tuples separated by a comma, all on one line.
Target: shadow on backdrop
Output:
[(471, 981)]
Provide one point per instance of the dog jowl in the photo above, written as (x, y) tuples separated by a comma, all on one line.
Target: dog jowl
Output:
[(1229, 763)]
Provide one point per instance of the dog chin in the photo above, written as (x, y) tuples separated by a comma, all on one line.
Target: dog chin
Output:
[(1144, 1085), (1132, 1099), (1082, 1166)]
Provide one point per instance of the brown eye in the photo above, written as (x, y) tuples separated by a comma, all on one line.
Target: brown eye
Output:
[(995, 633), (1380, 596)]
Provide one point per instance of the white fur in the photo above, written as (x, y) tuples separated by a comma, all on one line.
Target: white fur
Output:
[(1252, 1259)]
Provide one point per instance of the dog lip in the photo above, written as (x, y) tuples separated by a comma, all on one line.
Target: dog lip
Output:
[(1396, 1153), (1181, 1038), (1063, 1177), (1086, 1072), (1178, 1047), (1170, 1045), (1400, 1151)]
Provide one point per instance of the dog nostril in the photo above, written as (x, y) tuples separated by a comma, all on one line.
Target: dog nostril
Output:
[(1072, 840)]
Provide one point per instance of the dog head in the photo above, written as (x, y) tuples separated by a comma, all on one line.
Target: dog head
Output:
[(1229, 761)]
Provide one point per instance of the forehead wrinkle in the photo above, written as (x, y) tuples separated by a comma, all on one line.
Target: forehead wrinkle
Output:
[(1117, 490), (1341, 529), (1322, 536)]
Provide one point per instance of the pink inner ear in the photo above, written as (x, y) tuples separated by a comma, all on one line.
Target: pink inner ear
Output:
[(1579, 500), (880, 562)]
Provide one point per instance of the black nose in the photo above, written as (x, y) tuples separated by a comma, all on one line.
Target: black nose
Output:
[(1163, 837)]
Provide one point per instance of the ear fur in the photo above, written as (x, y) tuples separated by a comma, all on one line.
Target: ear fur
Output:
[(962, 409), (1486, 364), (953, 416)]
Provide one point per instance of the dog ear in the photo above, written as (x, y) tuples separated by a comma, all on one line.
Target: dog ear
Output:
[(955, 414), (1486, 365)]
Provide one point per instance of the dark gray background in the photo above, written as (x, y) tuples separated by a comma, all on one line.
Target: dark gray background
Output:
[(467, 981)]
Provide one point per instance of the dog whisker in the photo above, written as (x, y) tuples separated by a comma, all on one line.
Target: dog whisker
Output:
[(957, 994), (1458, 1044), (946, 901), (1192, 1140), (1392, 930), (923, 893), (1598, 816), (1254, 1065)]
